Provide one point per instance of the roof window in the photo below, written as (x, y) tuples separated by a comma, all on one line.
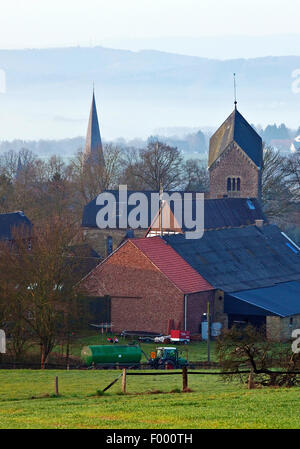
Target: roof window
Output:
[(292, 248), (250, 205)]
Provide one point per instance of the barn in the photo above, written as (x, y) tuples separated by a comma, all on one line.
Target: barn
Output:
[(249, 275), (255, 271), (149, 284)]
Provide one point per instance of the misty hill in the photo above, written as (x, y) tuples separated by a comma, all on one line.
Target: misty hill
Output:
[(188, 144), (45, 148), (48, 92)]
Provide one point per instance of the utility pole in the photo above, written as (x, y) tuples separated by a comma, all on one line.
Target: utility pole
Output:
[(161, 209), (234, 87), (208, 332)]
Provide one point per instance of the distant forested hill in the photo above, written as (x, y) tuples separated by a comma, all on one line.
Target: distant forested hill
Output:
[(48, 92)]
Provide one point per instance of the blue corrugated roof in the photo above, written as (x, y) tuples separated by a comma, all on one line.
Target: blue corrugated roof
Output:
[(281, 300)]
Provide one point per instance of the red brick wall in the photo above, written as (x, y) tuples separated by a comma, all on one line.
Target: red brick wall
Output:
[(234, 163), (142, 298), (196, 306)]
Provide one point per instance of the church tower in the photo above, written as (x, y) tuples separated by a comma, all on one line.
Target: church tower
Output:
[(235, 159), (93, 151), (19, 171)]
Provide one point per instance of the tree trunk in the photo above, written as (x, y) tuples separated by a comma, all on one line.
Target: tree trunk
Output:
[(42, 357)]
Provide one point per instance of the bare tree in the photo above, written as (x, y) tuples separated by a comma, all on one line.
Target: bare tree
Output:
[(195, 176), (38, 280), (292, 173), (242, 349), (276, 195), (156, 165), (6, 192), (91, 178)]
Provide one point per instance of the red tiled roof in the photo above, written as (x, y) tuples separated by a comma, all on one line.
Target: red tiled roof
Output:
[(172, 265)]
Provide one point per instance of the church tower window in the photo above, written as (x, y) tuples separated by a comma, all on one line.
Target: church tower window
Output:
[(228, 184)]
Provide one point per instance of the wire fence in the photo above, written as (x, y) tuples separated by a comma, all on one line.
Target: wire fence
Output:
[(116, 366)]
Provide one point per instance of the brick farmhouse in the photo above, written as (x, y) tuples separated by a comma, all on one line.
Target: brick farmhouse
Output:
[(150, 284)]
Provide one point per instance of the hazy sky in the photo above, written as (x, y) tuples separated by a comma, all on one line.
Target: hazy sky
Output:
[(224, 29), (43, 23)]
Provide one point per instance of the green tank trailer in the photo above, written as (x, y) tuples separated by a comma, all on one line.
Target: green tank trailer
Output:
[(107, 356)]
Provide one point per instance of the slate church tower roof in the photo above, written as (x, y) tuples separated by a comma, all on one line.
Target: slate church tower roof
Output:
[(236, 129)]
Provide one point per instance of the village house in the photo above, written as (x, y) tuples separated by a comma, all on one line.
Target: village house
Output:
[(11, 222), (247, 269)]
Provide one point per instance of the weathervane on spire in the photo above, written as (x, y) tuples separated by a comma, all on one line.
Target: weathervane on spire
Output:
[(234, 86)]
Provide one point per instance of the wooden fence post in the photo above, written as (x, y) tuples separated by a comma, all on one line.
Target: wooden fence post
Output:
[(124, 381), (250, 380), (184, 378), (56, 385)]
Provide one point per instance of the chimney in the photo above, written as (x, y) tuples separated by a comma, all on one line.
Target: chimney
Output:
[(109, 245), (259, 223)]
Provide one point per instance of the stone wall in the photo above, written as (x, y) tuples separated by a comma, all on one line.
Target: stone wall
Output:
[(96, 238), (280, 329), (234, 163), (219, 315)]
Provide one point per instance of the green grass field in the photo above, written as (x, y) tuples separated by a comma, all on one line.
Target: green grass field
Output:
[(27, 401)]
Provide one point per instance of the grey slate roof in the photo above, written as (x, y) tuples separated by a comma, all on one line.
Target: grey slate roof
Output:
[(218, 213), (281, 300), (231, 212), (239, 259), (11, 220), (93, 151), (236, 129)]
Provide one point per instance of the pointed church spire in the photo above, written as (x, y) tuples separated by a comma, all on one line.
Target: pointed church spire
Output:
[(93, 151), (19, 169)]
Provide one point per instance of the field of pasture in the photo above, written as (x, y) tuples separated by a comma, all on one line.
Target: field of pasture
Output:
[(28, 400)]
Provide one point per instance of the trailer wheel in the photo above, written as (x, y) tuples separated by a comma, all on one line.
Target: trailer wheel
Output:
[(167, 364)]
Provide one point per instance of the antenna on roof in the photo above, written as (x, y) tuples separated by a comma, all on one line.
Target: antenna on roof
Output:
[(234, 86), (161, 205)]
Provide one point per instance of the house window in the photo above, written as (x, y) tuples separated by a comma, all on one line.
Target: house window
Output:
[(233, 184), (228, 184), (238, 184)]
